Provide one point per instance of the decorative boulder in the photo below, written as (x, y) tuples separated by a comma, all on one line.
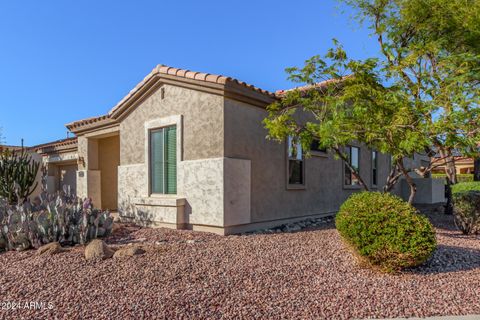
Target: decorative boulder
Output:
[(20, 242), (128, 252), (97, 249), (49, 249)]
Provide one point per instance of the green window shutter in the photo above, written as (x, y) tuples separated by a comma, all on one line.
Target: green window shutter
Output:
[(171, 160), (157, 161)]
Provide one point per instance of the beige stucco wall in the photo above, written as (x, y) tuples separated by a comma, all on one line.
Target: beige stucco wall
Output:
[(202, 124), (61, 170), (199, 119), (270, 199)]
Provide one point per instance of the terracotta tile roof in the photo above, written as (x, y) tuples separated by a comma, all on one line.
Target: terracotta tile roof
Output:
[(164, 70), (56, 145), (188, 74), (93, 121), (7, 147)]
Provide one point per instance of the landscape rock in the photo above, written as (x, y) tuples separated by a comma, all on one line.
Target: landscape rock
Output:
[(129, 251), (302, 275), (49, 249), (98, 249), (295, 226)]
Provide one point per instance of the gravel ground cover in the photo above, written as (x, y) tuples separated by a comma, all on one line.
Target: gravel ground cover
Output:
[(188, 275)]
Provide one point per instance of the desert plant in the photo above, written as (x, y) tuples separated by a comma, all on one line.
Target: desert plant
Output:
[(18, 172), (61, 217), (466, 210), (385, 231)]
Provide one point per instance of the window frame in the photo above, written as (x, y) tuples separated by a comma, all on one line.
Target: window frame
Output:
[(164, 170), (289, 185), (344, 167), (156, 124), (374, 161), (317, 152)]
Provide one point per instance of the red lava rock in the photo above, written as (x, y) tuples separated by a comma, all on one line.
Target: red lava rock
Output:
[(301, 275)]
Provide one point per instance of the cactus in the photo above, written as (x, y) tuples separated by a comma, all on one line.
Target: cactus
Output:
[(18, 172), (60, 217)]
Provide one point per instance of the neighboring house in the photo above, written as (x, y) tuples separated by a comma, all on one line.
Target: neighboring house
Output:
[(463, 165), (61, 160), (188, 150), (11, 148)]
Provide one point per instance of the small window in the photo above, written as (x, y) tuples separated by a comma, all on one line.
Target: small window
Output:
[(163, 160), (353, 158), (315, 146), (295, 162), (374, 168)]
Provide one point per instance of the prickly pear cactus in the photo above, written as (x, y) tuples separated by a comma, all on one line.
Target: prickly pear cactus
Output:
[(60, 217)]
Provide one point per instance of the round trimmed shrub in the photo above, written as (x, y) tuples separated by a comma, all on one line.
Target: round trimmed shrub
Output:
[(385, 231)]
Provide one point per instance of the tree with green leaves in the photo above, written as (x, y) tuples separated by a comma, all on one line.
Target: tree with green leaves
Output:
[(419, 95)]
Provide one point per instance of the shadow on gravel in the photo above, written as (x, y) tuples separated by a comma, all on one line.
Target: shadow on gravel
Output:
[(122, 232), (450, 259), (442, 221)]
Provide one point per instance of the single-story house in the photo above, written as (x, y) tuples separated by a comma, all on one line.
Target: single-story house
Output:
[(187, 149)]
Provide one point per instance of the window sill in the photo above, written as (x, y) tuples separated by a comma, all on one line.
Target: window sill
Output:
[(352, 187), (319, 154), (296, 187), (166, 200)]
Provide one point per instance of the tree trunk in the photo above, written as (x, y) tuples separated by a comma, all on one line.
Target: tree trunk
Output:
[(345, 160), (476, 169), (392, 179), (411, 183), (450, 168), (451, 172)]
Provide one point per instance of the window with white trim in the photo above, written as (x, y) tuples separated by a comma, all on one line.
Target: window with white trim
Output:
[(163, 160)]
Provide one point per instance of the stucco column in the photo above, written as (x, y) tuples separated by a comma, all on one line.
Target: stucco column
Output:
[(88, 175)]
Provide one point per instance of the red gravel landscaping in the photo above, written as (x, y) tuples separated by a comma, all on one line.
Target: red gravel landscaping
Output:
[(302, 275)]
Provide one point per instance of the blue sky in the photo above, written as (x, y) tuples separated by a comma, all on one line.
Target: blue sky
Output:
[(62, 61)]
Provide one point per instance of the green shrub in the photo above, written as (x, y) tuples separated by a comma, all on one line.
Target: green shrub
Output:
[(466, 211), (466, 186), (385, 231), (461, 177)]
